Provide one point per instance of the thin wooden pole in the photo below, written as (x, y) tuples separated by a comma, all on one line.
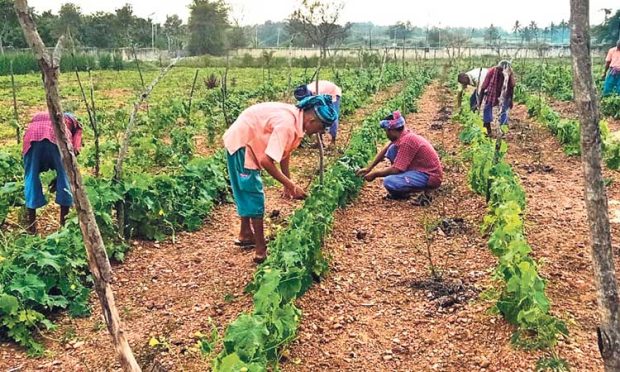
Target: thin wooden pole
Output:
[(98, 262), (191, 96), (15, 113)]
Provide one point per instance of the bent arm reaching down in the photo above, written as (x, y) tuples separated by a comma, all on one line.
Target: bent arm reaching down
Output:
[(380, 156), (268, 164)]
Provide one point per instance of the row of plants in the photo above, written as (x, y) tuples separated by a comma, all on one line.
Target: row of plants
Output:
[(521, 299), (555, 80), (41, 275), (254, 340), (25, 63), (567, 131)]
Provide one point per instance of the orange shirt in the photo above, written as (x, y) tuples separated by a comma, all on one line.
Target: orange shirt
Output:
[(273, 129), (613, 56), (326, 87)]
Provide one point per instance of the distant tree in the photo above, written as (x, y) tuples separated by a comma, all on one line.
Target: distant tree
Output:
[(207, 26), (492, 36), (609, 31), (534, 31), (174, 30), (98, 30), (236, 37), (69, 21), (400, 31), (124, 24), (46, 22), (516, 28), (317, 21), (10, 31)]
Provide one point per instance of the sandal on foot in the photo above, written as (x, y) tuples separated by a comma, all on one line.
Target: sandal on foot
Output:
[(396, 197), (259, 259), (423, 200), (244, 243)]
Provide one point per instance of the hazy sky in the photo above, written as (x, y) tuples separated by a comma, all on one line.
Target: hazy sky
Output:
[(383, 12)]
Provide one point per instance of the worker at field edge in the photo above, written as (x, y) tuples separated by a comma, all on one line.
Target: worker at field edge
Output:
[(491, 92), (415, 165), (325, 87), (473, 77), (263, 135), (612, 65), (41, 154)]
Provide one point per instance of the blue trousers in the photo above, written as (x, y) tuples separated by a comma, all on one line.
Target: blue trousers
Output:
[(405, 182), (487, 115), (612, 84), (43, 156), (333, 130), (473, 101)]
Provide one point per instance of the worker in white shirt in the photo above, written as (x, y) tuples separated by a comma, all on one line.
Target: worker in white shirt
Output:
[(474, 78)]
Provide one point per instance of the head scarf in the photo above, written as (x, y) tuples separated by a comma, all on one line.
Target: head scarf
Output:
[(323, 108), (504, 64), (302, 92), (75, 123), (393, 121)]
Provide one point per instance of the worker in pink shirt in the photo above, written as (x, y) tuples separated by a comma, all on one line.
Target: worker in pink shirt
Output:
[(42, 154), (325, 87), (612, 64), (263, 135)]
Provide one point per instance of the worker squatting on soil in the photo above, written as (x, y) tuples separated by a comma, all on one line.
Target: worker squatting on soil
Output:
[(612, 65), (325, 87), (491, 92), (474, 78), (41, 154), (265, 134), (415, 165)]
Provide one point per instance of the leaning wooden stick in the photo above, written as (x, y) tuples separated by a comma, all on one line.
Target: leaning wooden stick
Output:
[(98, 262), (15, 114)]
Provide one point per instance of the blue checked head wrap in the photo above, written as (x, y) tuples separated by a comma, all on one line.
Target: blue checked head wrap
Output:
[(302, 92), (323, 108), (393, 121)]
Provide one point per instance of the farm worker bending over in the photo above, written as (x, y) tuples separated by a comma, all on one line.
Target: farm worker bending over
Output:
[(325, 87), (612, 64), (265, 134), (41, 154), (474, 78), (415, 165), (491, 91)]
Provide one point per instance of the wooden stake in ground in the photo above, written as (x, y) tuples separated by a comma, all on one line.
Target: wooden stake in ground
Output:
[(595, 194), (97, 258), (122, 153), (15, 114)]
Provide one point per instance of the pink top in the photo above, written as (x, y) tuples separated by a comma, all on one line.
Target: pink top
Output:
[(613, 56), (327, 87), (41, 128), (416, 153), (271, 129)]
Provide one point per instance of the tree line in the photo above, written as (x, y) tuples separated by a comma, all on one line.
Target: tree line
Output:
[(315, 23)]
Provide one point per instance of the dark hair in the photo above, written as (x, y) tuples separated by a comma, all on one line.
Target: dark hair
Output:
[(400, 129), (389, 117)]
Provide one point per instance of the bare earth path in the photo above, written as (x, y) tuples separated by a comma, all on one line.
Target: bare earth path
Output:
[(169, 291), (558, 232), (365, 315)]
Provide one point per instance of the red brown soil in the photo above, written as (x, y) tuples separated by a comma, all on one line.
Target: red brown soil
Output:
[(364, 315), (171, 290)]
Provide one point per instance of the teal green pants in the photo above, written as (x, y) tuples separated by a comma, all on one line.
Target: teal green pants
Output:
[(247, 186)]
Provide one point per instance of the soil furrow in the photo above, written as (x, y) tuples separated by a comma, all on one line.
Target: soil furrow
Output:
[(171, 290), (377, 309)]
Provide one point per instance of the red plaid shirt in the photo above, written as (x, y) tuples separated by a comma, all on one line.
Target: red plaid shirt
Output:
[(41, 128), (416, 153), (492, 86)]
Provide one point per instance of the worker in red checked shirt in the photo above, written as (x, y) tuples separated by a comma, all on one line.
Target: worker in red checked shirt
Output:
[(415, 165), (42, 154)]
